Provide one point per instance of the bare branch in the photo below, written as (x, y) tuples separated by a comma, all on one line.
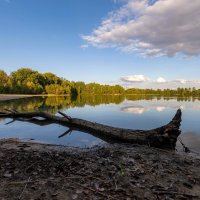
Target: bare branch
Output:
[(65, 133), (64, 115)]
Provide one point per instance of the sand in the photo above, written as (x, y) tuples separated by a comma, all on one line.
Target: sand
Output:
[(5, 97)]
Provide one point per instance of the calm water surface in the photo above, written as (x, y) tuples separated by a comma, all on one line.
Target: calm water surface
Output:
[(127, 112)]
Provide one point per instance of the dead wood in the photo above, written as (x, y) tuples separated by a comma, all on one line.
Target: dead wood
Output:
[(162, 137)]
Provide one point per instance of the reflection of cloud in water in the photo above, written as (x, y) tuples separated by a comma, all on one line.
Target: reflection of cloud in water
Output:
[(182, 107), (141, 109), (134, 109), (160, 108), (161, 105)]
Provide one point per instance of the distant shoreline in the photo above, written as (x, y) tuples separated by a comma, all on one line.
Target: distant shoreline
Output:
[(6, 97)]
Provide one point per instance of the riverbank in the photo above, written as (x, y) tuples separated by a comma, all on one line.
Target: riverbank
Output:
[(39, 171), (5, 97)]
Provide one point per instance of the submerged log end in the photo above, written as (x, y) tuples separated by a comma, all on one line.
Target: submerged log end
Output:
[(166, 136), (165, 141)]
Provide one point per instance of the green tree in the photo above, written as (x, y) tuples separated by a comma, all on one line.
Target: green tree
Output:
[(3, 82), (50, 78), (54, 89), (79, 87), (27, 81)]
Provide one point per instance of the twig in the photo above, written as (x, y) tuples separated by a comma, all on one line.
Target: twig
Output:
[(65, 133), (186, 149), (30, 166), (13, 111), (64, 115), (8, 110), (10, 122), (24, 188), (41, 180)]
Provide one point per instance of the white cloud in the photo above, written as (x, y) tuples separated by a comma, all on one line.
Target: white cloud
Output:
[(183, 81), (142, 81), (134, 78), (165, 27), (161, 80)]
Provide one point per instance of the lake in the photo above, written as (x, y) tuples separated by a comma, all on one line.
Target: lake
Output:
[(136, 112)]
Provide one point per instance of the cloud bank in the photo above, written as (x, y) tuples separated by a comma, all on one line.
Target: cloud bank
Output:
[(151, 28), (160, 80)]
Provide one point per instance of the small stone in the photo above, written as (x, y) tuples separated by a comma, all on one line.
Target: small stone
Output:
[(7, 175), (132, 161), (54, 194), (101, 189), (74, 196), (79, 191), (16, 171)]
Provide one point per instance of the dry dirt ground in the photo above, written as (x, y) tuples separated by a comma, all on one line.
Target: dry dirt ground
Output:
[(37, 172)]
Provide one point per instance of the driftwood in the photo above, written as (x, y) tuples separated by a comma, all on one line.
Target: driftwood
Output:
[(162, 137)]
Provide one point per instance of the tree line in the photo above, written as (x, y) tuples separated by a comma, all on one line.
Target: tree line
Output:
[(28, 81), (179, 92)]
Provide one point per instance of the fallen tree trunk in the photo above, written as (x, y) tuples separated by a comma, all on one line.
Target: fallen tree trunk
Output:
[(162, 137)]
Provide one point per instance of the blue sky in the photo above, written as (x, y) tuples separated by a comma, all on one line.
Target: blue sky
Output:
[(81, 40)]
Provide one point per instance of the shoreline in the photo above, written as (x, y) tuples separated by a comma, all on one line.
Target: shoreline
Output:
[(109, 172), (7, 97)]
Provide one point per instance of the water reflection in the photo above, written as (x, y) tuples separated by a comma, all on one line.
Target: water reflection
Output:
[(136, 112), (160, 108), (193, 140), (141, 109), (134, 109), (54, 103), (160, 105)]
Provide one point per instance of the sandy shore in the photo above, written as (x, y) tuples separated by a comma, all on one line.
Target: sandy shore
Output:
[(5, 97), (125, 172)]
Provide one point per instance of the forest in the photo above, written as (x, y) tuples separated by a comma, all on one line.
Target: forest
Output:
[(28, 81)]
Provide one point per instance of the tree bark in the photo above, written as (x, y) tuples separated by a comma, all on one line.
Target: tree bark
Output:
[(162, 137)]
